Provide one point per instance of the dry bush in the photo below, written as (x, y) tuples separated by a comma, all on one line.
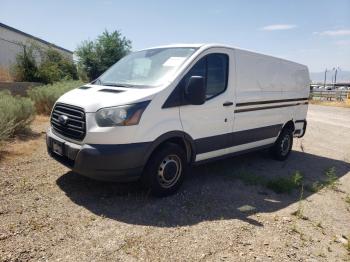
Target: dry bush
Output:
[(16, 113), (45, 96)]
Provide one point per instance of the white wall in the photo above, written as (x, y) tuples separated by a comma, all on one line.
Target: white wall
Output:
[(9, 49)]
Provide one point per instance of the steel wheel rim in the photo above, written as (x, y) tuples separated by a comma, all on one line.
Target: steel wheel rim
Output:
[(285, 145), (172, 164)]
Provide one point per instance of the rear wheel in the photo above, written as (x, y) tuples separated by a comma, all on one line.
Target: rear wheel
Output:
[(165, 170), (283, 145)]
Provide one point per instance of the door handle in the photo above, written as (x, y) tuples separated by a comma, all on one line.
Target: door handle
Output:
[(227, 104)]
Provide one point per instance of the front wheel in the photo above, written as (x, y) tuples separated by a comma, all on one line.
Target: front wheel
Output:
[(165, 170), (283, 145)]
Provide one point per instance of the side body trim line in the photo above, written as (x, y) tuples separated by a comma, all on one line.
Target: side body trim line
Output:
[(270, 101), (207, 144), (232, 154), (267, 107)]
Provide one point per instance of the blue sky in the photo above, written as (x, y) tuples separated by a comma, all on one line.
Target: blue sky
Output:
[(315, 33)]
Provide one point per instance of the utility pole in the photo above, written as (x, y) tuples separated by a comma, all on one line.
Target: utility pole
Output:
[(335, 76), (325, 78)]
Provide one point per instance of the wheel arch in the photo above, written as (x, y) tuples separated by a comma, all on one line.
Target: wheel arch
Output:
[(290, 125), (177, 137)]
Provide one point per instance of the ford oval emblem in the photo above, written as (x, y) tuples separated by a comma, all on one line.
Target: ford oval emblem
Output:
[(63, 119)]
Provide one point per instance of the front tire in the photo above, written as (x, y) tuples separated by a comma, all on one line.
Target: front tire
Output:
[(283, 145), (165, 170)]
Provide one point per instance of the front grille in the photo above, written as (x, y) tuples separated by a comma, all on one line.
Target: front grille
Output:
[(74, 127)]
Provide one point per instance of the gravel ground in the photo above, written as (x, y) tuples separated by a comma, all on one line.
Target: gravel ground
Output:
[(50, 213)]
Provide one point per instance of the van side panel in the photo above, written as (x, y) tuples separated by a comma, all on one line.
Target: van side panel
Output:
[(258, 79), (269, 91)]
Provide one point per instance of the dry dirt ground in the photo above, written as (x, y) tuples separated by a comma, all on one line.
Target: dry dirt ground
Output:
[(50, 213), (331, 103)]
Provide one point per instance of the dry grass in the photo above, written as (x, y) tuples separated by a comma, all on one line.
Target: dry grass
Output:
[(5, 75), (18, 148), (41, 119), (330, 103), (24, 143)]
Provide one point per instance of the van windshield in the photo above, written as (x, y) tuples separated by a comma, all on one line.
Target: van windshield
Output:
[(147, 68)]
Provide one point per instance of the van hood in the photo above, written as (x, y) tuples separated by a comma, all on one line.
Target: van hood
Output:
[(95, 97)]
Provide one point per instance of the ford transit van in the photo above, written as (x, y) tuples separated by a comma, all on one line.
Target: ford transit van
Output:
[(158, 111)]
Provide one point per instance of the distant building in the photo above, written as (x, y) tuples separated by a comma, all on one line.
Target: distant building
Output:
[(13, 41)]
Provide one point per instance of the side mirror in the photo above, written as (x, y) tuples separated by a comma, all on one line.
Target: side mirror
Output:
[(195, 90)]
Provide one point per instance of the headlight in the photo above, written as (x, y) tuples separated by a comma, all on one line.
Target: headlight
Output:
[(121, 115)]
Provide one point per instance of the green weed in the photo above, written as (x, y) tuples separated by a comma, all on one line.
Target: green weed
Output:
[(331, 178), (278, 185), (331, 181), (285, 184), (299, 212), (347, 199), (314, 187)]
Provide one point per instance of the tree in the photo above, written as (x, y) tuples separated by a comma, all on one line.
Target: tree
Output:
[(26, 68), (46, 65), (95, 57)]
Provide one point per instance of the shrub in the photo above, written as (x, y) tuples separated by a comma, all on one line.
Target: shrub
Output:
[(45, 96), (16, 113)]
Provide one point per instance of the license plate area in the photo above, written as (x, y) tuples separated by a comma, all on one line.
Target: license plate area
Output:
[(57, 147)]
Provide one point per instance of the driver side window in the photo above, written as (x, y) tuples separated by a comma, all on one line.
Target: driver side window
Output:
[(214, 69)]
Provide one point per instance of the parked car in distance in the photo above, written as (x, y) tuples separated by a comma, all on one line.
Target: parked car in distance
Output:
[(158, 111), (317, 88)]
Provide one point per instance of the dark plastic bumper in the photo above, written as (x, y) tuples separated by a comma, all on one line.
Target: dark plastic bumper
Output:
[(120, 163), (301, 132)]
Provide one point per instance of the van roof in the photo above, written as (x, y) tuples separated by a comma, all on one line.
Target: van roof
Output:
[(199, 45), (176, 45), (210, 45)]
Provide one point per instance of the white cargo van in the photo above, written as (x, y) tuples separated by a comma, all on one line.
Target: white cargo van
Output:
[(160, 110)]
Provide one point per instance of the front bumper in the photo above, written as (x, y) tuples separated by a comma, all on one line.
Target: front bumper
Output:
[(121, 163)]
